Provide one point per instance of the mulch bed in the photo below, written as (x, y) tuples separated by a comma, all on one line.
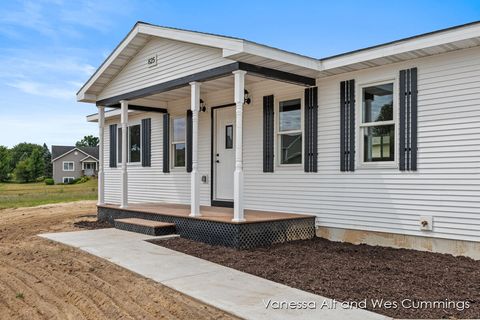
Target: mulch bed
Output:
[(92, 225), (347, 272)]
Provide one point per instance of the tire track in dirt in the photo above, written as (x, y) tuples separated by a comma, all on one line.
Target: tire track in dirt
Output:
[(61, 282), (47, 289)]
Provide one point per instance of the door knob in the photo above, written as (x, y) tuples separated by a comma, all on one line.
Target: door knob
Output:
[(218, 161)]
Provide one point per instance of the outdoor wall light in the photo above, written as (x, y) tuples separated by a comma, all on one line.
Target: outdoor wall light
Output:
[(247, 97), (203, 106)]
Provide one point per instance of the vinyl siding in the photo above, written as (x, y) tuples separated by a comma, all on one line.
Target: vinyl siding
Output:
[(175, 59), (446, 185)]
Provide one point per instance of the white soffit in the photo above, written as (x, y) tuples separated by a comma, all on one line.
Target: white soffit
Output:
[(455, 38), (437, 42)]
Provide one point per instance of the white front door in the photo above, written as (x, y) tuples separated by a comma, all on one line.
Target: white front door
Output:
[(224, 153)]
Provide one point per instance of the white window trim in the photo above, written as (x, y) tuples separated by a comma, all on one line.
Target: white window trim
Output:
[(63, 166), (133, 164), (278, 133), (360, 163), (85, 162), (63, 179), (173, 143), (136, 163)]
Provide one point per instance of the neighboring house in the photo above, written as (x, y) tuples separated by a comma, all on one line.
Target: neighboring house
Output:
[(70, 162), (381, 144)]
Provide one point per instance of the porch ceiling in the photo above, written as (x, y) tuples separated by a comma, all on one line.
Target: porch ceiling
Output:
[(207, 88)]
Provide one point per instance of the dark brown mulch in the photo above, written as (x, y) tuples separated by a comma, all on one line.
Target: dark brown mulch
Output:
[(347, 272), (92, 225)]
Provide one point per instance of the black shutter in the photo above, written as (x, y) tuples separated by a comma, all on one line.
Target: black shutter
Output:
[(119, 144), (268, 133), (113, 145), (311, 130), (166, 143), (347, 125), (408, 119), (146, 142), (189, 140)]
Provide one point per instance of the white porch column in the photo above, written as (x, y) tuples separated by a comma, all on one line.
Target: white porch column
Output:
[(194, 176), (239, 87), (101, 179), (124, 184)]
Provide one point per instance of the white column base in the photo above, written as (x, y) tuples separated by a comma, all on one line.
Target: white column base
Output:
[(101, 186), (238, 211), (124, 204), (195, 194)]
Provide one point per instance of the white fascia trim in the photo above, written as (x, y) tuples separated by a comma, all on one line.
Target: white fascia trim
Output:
[(275, 54), (81, 95), (69, 152), (208, 40), (89, 157), (407, 45)]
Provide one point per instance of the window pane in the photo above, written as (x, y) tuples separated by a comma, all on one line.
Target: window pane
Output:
[(134, 143), (290, 115), (378, 103), (179, 155), (291, 148), (178, 129), (229, 137), (379, 143)]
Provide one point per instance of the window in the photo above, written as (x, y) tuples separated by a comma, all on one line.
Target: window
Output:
[(89, 166), (229, 137), (68, 179), (68, 166), (290, 132), (178, 141), (134, 144), (378, 125)]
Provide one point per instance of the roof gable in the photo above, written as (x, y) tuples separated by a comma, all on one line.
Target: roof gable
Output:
[(60, 151), (173, 59)]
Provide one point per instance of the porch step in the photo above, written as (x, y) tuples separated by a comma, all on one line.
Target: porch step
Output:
[(149, 227)]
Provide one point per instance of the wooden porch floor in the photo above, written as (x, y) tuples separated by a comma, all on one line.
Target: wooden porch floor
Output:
[(219, 214)]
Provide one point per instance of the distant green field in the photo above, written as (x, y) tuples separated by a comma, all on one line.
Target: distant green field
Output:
[(15, 195)]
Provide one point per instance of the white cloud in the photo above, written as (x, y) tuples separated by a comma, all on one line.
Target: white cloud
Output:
[(51, 129), (45, 90)]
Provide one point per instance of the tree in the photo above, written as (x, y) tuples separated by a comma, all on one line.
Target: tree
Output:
[(88, 141), (23, 171), (47, 160), (37, 164), (22, 151), (5, 167)]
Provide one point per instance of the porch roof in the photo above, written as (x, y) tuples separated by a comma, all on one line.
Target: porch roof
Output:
[(254, 55)]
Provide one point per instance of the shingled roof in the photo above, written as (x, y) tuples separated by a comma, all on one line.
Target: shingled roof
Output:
[(57, 151)]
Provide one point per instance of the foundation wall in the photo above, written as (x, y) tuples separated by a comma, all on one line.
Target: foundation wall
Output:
[(455, 247)]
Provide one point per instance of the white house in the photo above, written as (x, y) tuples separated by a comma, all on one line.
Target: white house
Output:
[(381, 145)]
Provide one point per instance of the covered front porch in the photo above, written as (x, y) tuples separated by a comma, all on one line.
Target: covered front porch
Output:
[(226, 176), (214, 225)]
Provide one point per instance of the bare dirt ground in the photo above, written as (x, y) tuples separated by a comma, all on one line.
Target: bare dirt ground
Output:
[(40, 279)]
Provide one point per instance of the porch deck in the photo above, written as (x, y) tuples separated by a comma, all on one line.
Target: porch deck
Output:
[(215, 225)]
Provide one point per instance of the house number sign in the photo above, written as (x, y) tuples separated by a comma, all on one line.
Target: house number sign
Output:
[(152, 61)]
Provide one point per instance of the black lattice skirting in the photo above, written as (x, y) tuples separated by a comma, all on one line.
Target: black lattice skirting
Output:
[(237, 235)]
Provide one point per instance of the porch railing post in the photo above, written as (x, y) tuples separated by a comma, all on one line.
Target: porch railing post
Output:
[(101, 179), (124, 122), (194, 176), (239, 89)]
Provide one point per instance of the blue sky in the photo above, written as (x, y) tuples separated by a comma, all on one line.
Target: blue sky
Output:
[(48, 48)]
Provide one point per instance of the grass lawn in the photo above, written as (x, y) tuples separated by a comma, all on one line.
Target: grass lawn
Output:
[(15, 195)]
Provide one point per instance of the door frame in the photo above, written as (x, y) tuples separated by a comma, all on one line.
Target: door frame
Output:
[(213, 202)]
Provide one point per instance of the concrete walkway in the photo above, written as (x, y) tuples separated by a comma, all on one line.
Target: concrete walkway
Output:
[(235, 292)]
